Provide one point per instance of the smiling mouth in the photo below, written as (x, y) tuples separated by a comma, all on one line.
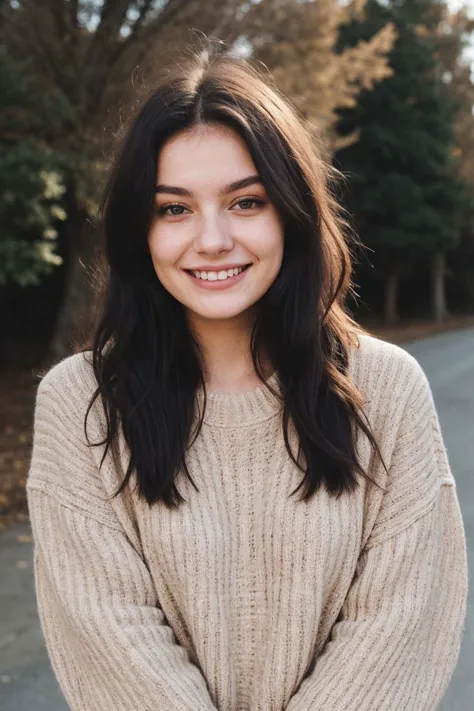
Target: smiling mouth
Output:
[(218, 275)]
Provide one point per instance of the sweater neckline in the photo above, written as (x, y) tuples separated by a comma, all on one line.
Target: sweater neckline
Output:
[(240, 409)]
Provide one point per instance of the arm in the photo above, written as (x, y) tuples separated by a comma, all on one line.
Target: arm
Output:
[(397, 638), (109, 644)]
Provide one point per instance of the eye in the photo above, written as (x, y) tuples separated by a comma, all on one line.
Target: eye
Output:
[(176, 210), (249, 203)]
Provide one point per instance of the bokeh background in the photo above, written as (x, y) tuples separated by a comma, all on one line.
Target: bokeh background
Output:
[(387, 86)]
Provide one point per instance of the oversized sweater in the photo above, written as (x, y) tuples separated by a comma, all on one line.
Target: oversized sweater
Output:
[(244, 598)]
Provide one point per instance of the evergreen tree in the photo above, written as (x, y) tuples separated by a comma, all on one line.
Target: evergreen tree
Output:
[(30, 178), (404, 191)]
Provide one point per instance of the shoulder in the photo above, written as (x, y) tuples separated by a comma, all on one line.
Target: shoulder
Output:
[(66, 461), (385, 371), (404, 419), (73, 375), (66, 391), (395, 390), (69, 385)]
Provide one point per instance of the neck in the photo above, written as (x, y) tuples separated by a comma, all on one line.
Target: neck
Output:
[(225, 345)]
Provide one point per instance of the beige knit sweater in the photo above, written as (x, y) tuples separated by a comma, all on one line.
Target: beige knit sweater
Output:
[(244, 599)]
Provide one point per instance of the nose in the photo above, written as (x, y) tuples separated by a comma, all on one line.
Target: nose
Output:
[(213, 235)]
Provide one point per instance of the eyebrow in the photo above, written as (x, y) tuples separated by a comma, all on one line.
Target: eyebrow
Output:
[(230, 188)]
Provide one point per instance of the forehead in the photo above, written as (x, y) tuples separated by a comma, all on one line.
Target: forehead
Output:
[(204, 155)]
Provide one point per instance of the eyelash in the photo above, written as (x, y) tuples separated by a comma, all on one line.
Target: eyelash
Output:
[(163, 209)]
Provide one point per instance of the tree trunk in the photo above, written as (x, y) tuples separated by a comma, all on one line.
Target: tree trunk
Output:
[(74, 319), (391, 294), (438, 272)]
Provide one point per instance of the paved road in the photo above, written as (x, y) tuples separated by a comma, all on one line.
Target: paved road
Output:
[(26, 680)]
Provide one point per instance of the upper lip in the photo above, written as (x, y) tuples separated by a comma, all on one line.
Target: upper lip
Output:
[(216, 268)]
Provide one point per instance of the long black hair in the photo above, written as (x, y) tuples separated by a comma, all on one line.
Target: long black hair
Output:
[(147, 364)]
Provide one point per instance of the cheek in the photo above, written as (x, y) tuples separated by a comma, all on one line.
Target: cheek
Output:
[(269, 240), (165, 247)]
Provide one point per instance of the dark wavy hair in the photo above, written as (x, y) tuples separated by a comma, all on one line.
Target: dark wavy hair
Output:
[(147, 364)]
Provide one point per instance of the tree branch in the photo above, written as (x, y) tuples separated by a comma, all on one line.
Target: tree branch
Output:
[(106, 35), (73, 12)]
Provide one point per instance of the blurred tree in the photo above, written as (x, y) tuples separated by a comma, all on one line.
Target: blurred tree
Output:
[(298, 42), (96, 56), (405, 192), (30, 180), (455, 36), (89, 55)]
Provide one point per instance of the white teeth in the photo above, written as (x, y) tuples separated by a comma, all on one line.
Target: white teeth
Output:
[(218, 276)]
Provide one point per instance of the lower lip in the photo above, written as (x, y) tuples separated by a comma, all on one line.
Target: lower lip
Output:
[(219, 283)]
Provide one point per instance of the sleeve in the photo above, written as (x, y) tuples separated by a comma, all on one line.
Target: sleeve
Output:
[(107, 638), (397, 638)]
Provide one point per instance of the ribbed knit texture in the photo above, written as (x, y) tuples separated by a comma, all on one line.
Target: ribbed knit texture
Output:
[(244, 598)]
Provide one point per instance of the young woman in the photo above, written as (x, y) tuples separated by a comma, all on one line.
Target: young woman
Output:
[(240, 500)]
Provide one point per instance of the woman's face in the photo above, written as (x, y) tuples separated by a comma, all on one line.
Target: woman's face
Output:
[(213, 216)]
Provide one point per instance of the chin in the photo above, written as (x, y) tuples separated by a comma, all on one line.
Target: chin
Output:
[(219, 315)]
